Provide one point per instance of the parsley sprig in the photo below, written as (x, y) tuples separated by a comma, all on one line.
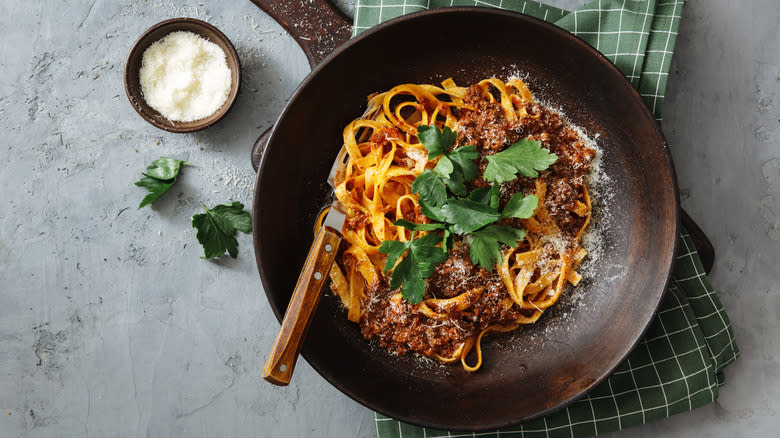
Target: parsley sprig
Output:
[(217, 228), (422, 256), (468, 217), (444, 198), (454, 169), (525, 157), (158, 178)]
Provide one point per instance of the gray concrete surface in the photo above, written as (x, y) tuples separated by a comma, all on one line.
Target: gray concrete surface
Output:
[(111, 325)]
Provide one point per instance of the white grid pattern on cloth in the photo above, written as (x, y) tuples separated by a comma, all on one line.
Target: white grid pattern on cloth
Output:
[(620, 29), (356, 28), (639, 43), (726, 324), (676, 358), (663, 62), (636, 389), (613, 396)]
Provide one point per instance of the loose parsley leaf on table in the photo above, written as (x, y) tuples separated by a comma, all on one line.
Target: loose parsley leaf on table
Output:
[(217, 228), (158, 178), (165, 168), (155, 187), (420, 259), (526, 157)]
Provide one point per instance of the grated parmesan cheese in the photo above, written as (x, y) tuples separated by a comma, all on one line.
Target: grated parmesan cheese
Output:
[(420, 156), (184, 77)]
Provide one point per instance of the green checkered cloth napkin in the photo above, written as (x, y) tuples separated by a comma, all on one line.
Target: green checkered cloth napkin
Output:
[(679, 364)]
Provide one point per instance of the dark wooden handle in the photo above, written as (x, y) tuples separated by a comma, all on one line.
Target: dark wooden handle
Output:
[(281, 362), (316, 25), (259, 147), (700, 241)]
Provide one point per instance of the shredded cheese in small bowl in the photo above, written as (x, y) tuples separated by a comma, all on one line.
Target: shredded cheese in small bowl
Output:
[(182, 75)]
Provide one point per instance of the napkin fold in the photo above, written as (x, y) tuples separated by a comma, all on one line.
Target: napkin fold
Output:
[(678, 365)]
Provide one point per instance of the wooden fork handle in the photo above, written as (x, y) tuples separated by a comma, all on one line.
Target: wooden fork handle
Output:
[(281, 362)]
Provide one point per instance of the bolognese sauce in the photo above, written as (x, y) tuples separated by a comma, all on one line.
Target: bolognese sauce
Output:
[(441, 326)]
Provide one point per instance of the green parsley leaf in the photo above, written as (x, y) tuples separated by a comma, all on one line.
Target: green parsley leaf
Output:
[(414, 226), (155, 187), (520, 206), (217, 228), (436, 141), (402, 272), (431, 188), (432, 211), (486, 195), (158, 178), (473, 213), (495, 196), (464, 169), (413, 288), (427, 254), (234, 216), (466, 215), (454, 169), (463, 160), (422, 256), (164, 168), (485, 245), (448, 239), (443, 168), (457, 186), (480, 195), (394, 249), (525, 157)]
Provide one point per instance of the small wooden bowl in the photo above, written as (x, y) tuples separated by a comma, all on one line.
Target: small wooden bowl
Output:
[(157, 32)]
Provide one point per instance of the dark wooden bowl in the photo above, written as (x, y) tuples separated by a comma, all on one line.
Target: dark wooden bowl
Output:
[(536, 369), (155, 33)]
